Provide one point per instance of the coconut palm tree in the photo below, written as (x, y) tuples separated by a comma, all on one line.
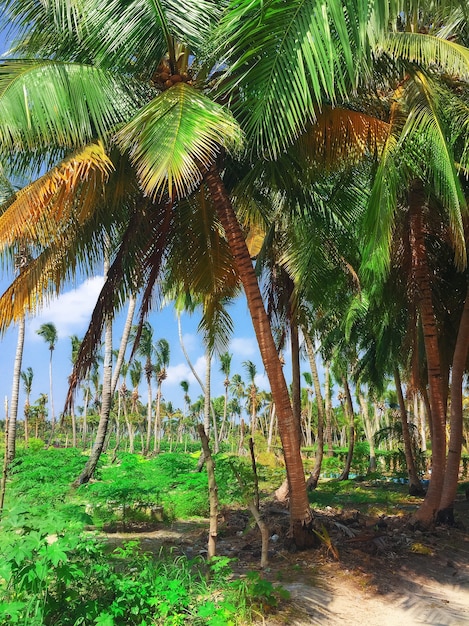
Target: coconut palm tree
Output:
[(206, 128), (171, 130), (225, 368), (27, 378), (48, 332), (146, 350), (162, 352)]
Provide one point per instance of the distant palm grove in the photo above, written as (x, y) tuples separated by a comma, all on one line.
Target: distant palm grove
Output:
[(309, 156)]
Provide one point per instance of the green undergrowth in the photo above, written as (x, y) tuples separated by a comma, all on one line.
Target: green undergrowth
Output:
[(365, 496), (52, 573)]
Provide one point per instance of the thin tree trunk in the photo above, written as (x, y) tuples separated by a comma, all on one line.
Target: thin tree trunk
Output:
[(300, 511), (415, 486), (351, 440), (11, 439), (296, 376), (123, 344), (271, 427), (213, 495), (314, 477), (421, 272), (328, 410), (3, 484), (450, 485), (369, 430)]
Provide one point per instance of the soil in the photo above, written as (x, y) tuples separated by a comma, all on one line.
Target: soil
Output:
[(367, 570)]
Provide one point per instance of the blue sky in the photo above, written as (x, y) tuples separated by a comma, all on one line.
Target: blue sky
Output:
[(71, 313)]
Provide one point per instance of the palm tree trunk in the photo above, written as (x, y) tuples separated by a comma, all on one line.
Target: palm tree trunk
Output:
[(415, 486), (421, 273), (328, 410), (106, 400), (300, 511), (351, 440), (15, 392), (450, 485), (100, 440), (123, 343), (314, 478), (296, 376)]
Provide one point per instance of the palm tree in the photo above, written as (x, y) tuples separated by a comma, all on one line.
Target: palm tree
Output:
[(48, 332), (146, 350), (27, 378), (205, 125), (11, 443), (173, 133), (162, 352), (76, 342), (225, 368), (252, 390)]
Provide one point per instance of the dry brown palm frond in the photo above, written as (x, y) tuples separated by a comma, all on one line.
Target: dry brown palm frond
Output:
[(73, 186), (343, 137)]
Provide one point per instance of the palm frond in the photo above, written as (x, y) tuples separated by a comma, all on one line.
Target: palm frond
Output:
[(286, 58), (58, 104), (427, 51), (41, 208), (426, 127), (341, 137), (173, 136)]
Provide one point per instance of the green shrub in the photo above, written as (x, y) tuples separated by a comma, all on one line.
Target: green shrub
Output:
[(53, 574)]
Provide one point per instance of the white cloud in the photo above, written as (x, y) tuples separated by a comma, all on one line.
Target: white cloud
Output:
[(176, 373), (243, 346), (191, 342), (70, 312), (262, 382)]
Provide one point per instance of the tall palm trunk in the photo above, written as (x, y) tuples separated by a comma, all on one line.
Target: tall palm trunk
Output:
[(328, 410), (314, 478), (15, 392), (123, 344), (106, 399), (421, 274), (450, 485), (415, 486), (349, 411), (296, 375), (300, 512)]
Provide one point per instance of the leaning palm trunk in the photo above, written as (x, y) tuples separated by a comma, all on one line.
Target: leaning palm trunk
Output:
[(301, 516), (106, 400), (415, 486), (426, 512), (450, 485), (197, 377), (123, 343), (11, 442), (101, 433)]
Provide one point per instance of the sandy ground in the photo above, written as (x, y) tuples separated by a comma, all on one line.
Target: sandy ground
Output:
[(386, 574)]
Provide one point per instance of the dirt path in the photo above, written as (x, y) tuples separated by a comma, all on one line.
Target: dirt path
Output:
[(391, 576)]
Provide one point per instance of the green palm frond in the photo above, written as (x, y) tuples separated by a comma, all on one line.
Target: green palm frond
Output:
[(379, 219), (174, 136), (426, 127), (50, 104), (286, 58), (428, 50), (136, 36)]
